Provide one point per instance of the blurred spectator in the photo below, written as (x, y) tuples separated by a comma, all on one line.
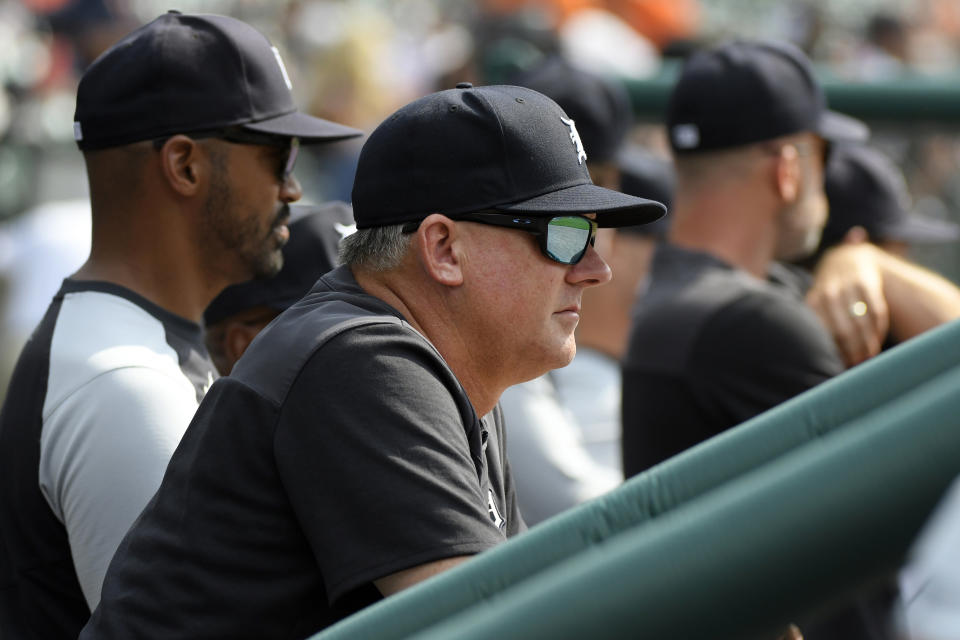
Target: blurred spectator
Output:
[(929, 603), (868, 197), (884, 52), (864, 290), (37, 251), (712, 342), (237, 315), (564, 438)]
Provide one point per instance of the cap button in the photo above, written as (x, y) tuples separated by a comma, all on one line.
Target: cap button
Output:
[(174, 11), (464, 85)]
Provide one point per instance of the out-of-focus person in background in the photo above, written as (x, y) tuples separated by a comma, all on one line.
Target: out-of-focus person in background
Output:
[(241, 311), (190, 174), (590, 385), (869, 200), (713, 342), (864, 289), (563, 453), (928, 607)]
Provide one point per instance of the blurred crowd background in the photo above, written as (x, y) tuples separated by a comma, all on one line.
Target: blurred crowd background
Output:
[(356, 61)]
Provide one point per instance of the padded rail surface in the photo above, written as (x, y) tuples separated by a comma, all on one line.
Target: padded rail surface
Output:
[(768, 547), (685, 477)]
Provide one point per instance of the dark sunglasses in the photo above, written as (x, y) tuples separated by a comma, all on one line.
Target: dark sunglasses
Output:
[(237, 135), (563, 239)]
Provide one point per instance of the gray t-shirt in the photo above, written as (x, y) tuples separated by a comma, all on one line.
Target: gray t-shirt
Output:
[(340, 450)]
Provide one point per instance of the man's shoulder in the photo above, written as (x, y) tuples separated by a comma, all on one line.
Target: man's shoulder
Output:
[(327, 329), (698, 303), (96, 333)]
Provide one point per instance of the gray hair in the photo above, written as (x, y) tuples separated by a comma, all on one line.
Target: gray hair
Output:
[(376, 248)]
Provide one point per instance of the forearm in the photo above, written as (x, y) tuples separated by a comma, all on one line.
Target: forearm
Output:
[(918, 298)]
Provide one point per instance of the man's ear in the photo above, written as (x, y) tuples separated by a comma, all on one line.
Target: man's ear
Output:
[(788, 173), (184, 163), (440, 249)]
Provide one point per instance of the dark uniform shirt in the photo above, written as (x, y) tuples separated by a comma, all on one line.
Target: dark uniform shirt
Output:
[(340, 450), (710, 347)]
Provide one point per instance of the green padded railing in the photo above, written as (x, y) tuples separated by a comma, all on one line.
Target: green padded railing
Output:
[(676, 481), (766, 548)]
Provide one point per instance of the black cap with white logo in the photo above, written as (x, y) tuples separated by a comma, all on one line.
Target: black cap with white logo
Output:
[(185, 73), (744, 92), (600, 106), (476, 148), (866, 189)]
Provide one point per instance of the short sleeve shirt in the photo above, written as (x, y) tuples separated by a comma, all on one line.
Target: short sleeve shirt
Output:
[(710, 347), (100, 397), (341, 449)]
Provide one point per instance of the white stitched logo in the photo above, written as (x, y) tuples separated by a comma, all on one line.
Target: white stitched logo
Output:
[(494, 511), (575, 138), (283, 69)]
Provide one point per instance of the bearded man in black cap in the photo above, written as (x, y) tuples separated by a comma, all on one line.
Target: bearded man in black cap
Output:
[(189, 133), (713, 342), (357, 447)]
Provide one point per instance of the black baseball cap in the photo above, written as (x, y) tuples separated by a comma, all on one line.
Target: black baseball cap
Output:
[(600, 106), (648, 175), (865, 188), (468, 149), (185, 73), (750, 91), (315, 234)]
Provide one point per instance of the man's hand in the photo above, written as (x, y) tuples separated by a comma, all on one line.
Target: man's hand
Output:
[(848, 296)]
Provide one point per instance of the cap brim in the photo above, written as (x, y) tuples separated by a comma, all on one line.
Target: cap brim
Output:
[(613, 209), (308, 128), (916, 229), (837, 127)]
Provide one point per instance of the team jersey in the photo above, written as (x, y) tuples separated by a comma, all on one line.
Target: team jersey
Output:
[(99, 399)]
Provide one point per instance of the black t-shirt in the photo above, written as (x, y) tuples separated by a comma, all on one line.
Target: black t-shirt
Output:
[(710, 347), (340, 450)]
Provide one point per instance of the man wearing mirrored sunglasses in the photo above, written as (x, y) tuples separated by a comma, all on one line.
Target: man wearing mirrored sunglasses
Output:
[(189, 133), (358, 440)]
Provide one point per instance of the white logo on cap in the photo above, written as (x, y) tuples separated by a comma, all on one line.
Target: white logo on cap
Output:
[(575, 138), (283, 69), (77, 132), (686, 136)]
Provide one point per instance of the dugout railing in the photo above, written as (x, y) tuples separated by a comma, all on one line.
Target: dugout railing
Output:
[(774, 519)]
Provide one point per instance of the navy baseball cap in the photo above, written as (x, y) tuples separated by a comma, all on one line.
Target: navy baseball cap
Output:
[(184, 73), (315, 234), (468, 149), (750, 91), (865, 188)]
